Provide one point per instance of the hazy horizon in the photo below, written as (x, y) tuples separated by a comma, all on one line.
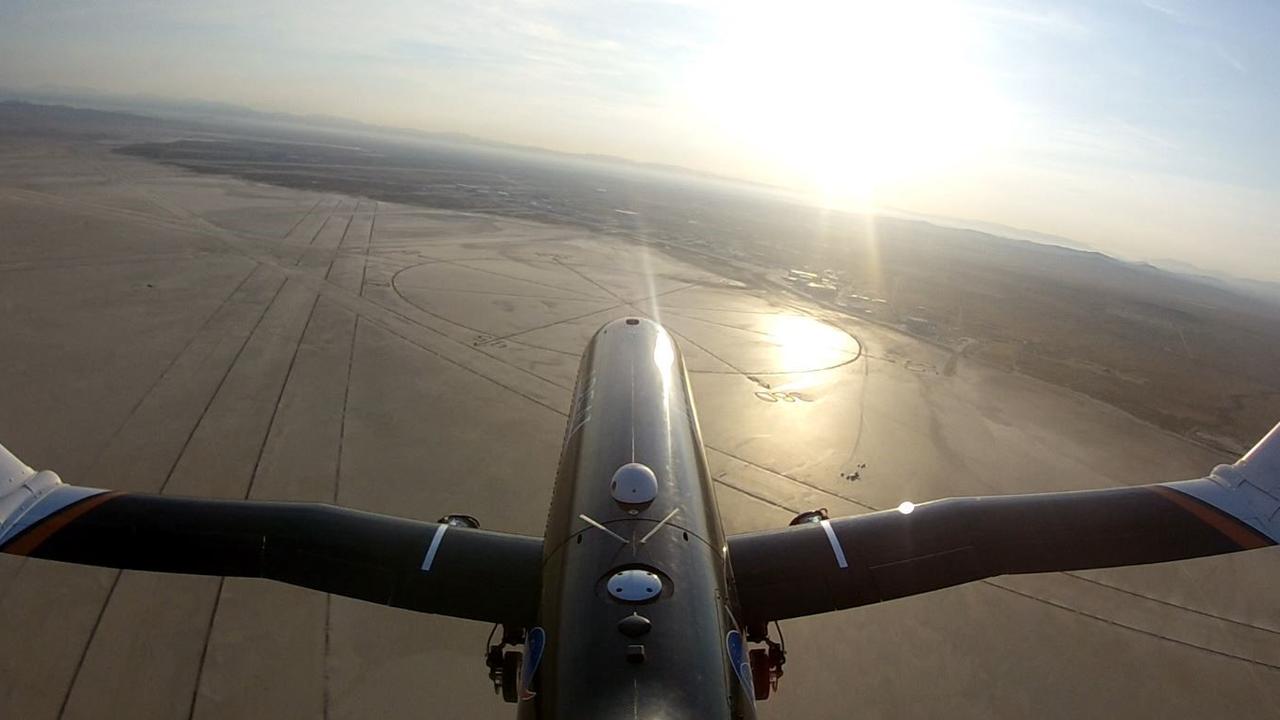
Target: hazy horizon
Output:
[(1142, 129)]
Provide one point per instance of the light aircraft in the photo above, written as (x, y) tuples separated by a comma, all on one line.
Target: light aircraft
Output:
[(634, 603)]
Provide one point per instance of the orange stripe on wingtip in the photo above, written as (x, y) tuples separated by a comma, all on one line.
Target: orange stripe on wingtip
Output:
[(1239, 533), (34, 537)]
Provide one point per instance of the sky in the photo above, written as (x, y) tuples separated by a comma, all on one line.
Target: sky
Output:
[(1147, 129)]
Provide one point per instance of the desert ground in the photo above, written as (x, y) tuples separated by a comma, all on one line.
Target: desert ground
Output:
[(189, 334)]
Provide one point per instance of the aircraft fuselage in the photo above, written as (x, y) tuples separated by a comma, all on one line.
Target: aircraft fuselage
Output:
[(632, 404)]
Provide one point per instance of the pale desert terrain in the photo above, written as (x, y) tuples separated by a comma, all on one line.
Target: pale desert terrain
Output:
[(184, 333)]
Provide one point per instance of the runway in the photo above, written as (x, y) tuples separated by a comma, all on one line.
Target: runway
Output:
[(197, 335)]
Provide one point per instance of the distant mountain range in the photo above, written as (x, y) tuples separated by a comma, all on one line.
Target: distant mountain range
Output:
[(1261, 289), (989, 228), (187, 109), (205, 110)]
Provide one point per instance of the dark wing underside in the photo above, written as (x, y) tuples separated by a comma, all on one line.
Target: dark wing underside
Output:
[(427, 567), (852, 561)]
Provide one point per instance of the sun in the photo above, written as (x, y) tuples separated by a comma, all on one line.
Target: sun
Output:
[(850, 99)]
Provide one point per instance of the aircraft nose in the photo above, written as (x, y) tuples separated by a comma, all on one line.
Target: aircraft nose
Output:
[(638, 322), (630, 326)]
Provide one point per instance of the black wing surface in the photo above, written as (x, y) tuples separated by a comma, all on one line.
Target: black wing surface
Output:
[(422, 566), (846, 562)]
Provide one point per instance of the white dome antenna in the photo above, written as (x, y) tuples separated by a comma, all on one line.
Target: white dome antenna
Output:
[(634, 484)]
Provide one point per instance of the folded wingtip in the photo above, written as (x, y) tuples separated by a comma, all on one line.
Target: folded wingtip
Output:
[(1263, 461), (12, 470)]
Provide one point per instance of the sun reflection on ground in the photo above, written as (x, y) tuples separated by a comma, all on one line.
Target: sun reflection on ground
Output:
[(803, 342)]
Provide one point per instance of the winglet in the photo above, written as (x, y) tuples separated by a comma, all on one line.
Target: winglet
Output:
[(15, 493), (1262, 463), (22, 491), (1248, 490), (12, 471)]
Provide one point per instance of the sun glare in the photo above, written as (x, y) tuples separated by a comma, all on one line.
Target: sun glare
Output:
[(803, 342), (849, 99)]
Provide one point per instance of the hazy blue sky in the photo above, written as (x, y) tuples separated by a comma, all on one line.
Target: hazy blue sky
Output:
[(1146, 128)]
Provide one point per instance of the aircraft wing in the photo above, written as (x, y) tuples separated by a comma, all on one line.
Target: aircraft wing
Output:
[(423, 566), (845, 562)]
